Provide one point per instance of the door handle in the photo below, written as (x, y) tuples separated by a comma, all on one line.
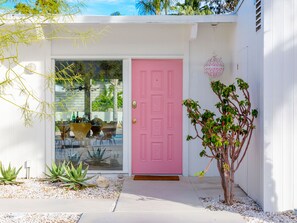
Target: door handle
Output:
[(134, 121), (134, 104)]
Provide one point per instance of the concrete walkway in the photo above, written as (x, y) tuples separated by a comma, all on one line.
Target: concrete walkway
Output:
[(140, 201), (166, 201)]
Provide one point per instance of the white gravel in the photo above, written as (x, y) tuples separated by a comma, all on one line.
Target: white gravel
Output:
[(250, 210), (39, 217), (38, 189)]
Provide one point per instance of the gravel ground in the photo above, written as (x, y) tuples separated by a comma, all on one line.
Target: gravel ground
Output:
[(38, 189), (250, 210), (39, 217)]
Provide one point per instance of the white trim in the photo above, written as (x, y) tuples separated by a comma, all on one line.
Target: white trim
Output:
[(116, 57), (127, 131), (49, 123), (127, 84), (155, 19), (186, 95), (185, 123), (50, 148), (194, 31)]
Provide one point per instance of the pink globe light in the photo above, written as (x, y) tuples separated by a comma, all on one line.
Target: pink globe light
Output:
[(214, 67)]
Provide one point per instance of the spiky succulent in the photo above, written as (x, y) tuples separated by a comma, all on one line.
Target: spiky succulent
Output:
[(75, 178), (9, 175), (56, 171)]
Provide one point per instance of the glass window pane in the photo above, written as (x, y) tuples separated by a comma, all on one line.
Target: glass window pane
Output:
[(89, 113)]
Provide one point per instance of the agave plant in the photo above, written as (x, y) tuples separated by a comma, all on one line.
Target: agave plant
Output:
[(75, 178), (9, 175), (56, 171), (97, 155), (75, 158)]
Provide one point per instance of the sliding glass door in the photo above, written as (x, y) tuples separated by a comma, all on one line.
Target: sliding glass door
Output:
[(89, 113)]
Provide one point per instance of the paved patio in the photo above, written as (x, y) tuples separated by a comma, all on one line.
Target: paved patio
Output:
[(141, 201)]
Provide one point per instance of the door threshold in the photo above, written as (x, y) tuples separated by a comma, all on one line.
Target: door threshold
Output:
[(156, 178)]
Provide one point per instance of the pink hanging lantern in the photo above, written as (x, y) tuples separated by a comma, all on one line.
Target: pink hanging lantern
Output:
[(214, 67)]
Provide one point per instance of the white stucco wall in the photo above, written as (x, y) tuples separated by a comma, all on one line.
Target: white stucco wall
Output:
[(120, 41), (269, 175), (20, 143), (208, 41), (248, 59), (280, 111)]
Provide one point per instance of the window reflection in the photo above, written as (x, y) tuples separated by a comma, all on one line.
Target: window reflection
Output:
[(89, 113)]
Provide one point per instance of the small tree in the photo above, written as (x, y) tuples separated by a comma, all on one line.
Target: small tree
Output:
[(225, 138), (28, 23)]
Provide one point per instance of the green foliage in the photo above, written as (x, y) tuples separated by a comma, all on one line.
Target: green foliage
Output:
[(32, 27), (97, 154), (222, 6), (153, 7), (226, 134), (192, 7), (56, 171), (188, 7), (199, 174), (74, 158), (75, 178), (116, 13), (44, 7), (9, 175), (105, 99)]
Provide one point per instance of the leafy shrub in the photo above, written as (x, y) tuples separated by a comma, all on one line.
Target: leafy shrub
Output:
[(75, 178), (9, 175), (226, 136), (56, 171)]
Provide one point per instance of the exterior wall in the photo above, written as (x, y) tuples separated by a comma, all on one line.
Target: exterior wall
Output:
[(124, 41), (120, 41), (20, 143), (202, 48), (269, 175), (248, 59), (280, 111)]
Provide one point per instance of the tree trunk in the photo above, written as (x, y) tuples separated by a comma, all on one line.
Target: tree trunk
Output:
[(115, 100), (227, 181)]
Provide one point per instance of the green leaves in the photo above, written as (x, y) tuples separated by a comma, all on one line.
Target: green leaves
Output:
[(56, 171), (242, 84), (71, 177), (9, 175), (75, 178), (255, 113), (224, 132), (97, 154), (200, 174)]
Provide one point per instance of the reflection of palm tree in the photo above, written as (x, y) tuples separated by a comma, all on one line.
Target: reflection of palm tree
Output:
[(153, 7), (192, 7)]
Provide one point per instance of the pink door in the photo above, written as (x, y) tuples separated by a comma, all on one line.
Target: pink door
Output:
[(157, 116)]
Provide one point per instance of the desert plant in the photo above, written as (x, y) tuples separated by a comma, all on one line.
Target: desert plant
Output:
[(227, 136), (56, 171), (9, 175), (97, 154), (75, 178), (74, 158)]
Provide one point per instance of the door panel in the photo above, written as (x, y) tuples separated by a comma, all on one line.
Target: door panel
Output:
[(157, 117)]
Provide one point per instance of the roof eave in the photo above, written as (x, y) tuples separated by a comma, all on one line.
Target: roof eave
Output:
[(152, 19)]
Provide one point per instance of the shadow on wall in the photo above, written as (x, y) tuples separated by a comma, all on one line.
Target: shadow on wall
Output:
[(20, 143)]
